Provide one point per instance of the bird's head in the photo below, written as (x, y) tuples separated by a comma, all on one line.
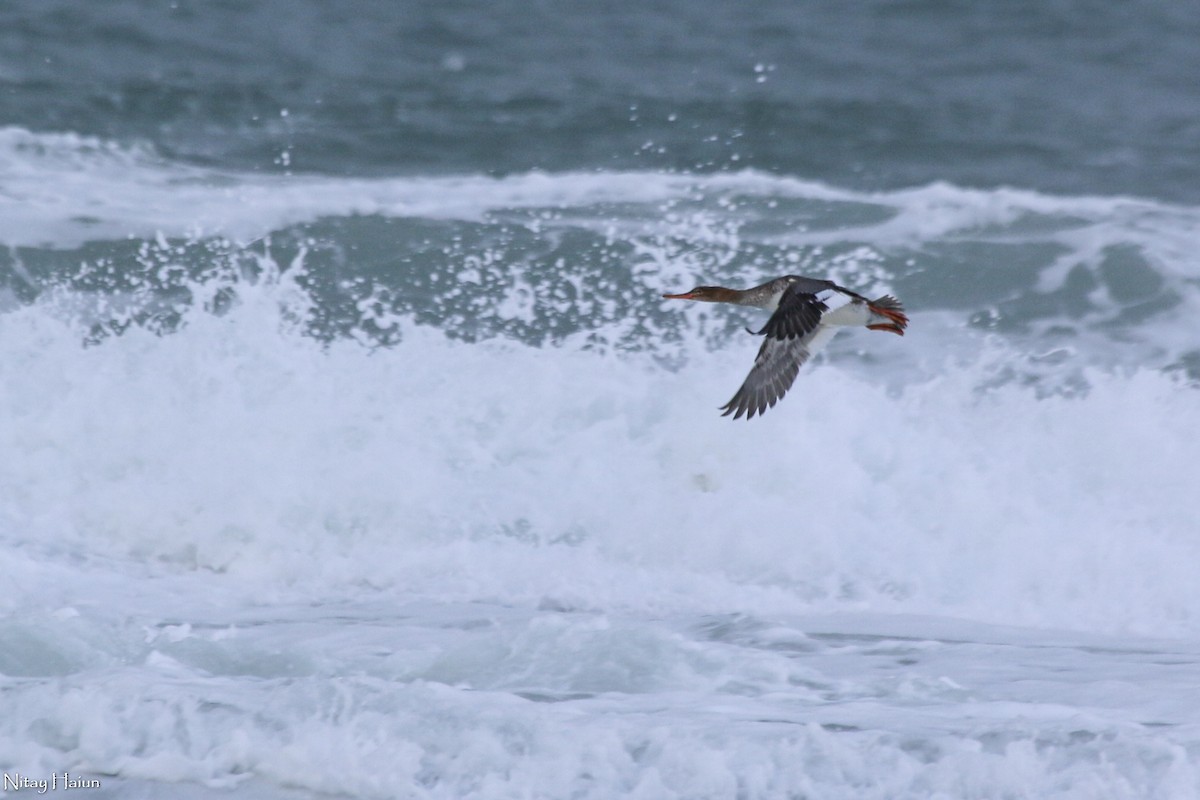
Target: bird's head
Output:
[(707, 294)]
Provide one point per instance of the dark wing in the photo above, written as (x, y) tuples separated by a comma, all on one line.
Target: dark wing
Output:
[(792, 335), (798, 315), (774, 371)]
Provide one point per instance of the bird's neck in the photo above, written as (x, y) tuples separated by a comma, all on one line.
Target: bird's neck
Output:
[(719, 294), (765, 296)]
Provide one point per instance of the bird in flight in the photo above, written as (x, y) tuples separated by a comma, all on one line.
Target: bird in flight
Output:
[(806, 314)]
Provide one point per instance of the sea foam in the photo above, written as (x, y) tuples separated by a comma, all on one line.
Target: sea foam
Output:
[(495, 470), (269, 559)]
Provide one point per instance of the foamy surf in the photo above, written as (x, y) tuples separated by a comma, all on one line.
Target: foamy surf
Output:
[(238, 446), (538, 257), (425, 493)]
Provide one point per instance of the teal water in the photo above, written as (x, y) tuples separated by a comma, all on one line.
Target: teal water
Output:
[(1075, 97)]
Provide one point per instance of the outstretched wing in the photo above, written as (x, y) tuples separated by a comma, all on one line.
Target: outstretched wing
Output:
[(774, 371), (798, 329), (793, 333)]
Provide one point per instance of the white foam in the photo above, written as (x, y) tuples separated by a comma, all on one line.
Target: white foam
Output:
[(496, 471), (62, 189), (232, 553), (239, 558), (489, 701)]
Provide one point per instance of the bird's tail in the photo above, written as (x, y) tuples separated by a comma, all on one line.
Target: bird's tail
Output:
[(887, 315)]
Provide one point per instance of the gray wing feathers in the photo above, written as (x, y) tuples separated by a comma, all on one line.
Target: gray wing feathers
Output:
[(789, 331), (774, 371)]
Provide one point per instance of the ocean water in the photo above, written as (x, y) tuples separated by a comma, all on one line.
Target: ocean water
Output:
[(348, 448)]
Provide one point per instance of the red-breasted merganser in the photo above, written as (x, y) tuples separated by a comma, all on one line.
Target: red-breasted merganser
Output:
[(807, 313)]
